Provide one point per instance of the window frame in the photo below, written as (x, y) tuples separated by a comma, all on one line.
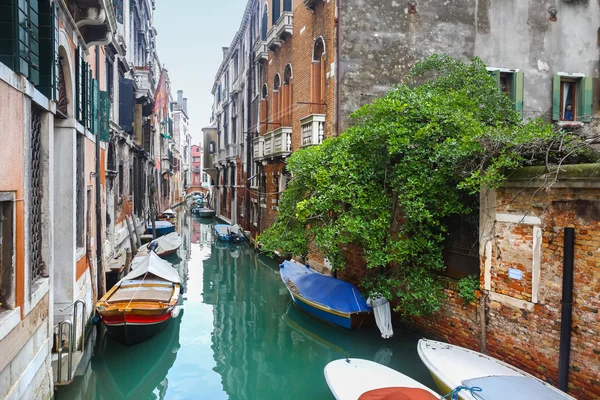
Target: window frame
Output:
[(582, 111), (7, 252), (517, 85)]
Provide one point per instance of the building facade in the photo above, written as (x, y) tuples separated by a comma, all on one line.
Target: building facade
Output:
[(315, 62), (181, 145)]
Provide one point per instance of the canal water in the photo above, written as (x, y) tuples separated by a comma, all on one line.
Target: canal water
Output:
[(238, 337)]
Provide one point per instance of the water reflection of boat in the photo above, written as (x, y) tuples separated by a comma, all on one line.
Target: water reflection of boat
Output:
[(137, 372), (323, 335)]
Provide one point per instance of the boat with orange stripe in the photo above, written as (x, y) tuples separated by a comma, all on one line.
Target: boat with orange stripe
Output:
[(142, 303)]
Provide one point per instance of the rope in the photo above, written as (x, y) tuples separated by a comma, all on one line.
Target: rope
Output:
[(455, 392), (136, 290)]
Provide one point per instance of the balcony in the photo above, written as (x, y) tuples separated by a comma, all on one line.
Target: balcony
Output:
[(260, 50), (95, 20), (220, 157), (313, 129), (237, 86), (282, 142), (282, 29), (143, 83), (258, 144), (233, 151)]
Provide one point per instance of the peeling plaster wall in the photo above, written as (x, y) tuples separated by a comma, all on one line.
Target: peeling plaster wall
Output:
[(382, 40)]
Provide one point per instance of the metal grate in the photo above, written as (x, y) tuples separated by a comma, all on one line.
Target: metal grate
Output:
[(35, 214)]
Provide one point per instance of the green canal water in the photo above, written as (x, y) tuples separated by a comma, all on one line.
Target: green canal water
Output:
[(238, 337)]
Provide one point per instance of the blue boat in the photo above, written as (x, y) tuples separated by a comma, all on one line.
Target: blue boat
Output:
[(325, 297), (228, 233), (162, 228)]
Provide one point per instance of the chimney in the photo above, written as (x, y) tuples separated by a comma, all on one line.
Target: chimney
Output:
[(225, 51), (179, 98), (185, 105)]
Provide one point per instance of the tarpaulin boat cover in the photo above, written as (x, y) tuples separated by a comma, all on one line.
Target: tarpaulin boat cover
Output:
[(155, 265), (168, 242), (161, 224), (514, 388), (325, 290), (397, 393), (169, 211)]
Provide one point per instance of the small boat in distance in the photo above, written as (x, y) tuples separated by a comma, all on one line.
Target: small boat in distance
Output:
[(162, 228), (325, 297), (142, 303), (357, 379), (228, 233), (205, 212), (168, 215), (453, 366)]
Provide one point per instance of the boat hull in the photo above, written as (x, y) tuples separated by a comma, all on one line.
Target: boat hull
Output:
[(162, 230), (131, 329), (206, 214), (348, 321)]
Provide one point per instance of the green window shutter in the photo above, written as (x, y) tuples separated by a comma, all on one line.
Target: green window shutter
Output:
[(556, 98), (22, 39), (80, 84), (55, 72), (34, 43), (585, 99), (48, 51), (88, 97), (170, 127), (14, 40), (517, 91), (103, 117), (496, 75), (95, 106)]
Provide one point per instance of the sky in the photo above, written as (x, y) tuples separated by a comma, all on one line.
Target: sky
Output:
[(191, 34)]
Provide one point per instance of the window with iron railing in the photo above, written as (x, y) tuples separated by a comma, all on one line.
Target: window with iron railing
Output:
[(6, 251)]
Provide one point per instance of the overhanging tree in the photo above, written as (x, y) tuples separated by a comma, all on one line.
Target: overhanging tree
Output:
[(410, 160)]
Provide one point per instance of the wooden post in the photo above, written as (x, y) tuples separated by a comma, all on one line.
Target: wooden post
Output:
[(131, 237), (137, 233)]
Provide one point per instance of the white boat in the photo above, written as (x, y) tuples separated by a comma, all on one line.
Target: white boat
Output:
[(453, 366), (163, 246), (354, 379)]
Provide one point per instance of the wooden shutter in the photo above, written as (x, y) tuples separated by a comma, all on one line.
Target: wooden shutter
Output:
[(88, 97), (103, 116), (34, 43), (79, 83), (48, 30), (126, 105), (585, 99), (95, 107), (496, 76), (517, 91), (22, 40), (556, 98)]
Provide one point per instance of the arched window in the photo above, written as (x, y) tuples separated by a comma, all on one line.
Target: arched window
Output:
[(264, 23), (264, 108), (287, 5), (276, 102), (317, 87), (276, 11), (287, 96)]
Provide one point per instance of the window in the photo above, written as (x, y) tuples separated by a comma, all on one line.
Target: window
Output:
[(80, 182), (276, 100), (35, 199), (317, 87), (264, 24), (287, 96), (110, 76), (511, 82), (264, 109), (121, 180), (6, 250), (572, 98), (276, 5), (235, 66), (287, 5)]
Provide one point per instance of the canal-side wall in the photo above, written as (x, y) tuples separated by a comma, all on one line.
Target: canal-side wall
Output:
[(519, 311)]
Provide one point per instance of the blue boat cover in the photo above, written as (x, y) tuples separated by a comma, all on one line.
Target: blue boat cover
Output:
[(161, 225), (330, 292), (513, 388)]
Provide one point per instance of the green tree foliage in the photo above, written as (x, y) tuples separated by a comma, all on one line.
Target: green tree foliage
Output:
[(408, 162)]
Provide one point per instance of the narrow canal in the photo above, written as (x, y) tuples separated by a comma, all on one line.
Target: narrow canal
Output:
[(239, 337)]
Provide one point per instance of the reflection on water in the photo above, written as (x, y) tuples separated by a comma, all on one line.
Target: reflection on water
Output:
[(239, 337)]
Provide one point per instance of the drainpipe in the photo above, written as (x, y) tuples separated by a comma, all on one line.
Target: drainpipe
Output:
[(338, 66), (566, 310), (99, 258)]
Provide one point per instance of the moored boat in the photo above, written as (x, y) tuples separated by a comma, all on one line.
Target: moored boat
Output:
[(229, 233), (162, 246), (325, 297), (142, 303), (453, 366), (162, 228), (357, 379), (206, 212), (168, 215)]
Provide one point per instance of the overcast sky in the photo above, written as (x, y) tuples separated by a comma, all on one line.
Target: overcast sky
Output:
[(191, 34)]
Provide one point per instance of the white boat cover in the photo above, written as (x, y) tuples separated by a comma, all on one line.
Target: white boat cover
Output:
[(514, 388), (155, 265), (383, 316), (349, 378), (168, 242), (169, 211)]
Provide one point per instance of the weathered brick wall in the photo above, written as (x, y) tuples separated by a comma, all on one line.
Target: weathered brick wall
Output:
[(522, 228)]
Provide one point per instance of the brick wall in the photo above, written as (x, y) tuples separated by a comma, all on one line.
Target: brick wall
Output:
[(523, 229)]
